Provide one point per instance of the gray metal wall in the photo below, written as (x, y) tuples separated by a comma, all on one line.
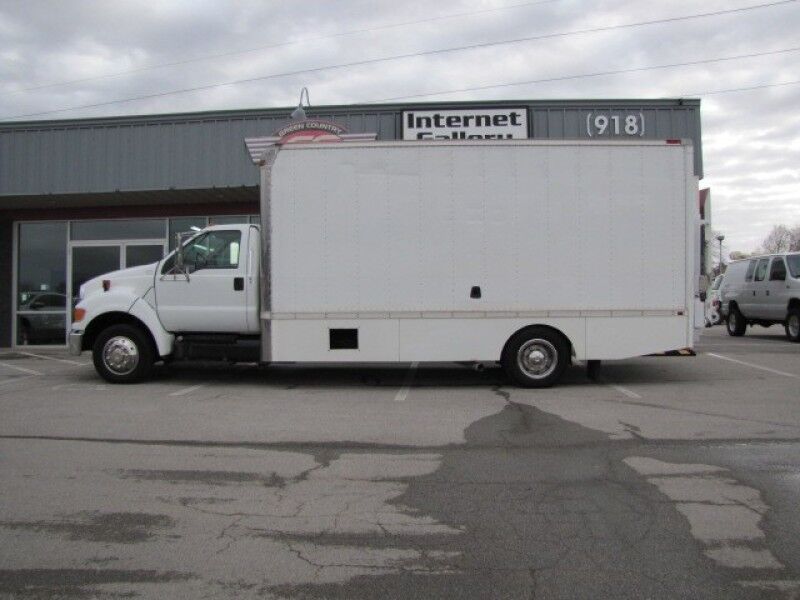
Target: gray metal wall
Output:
[(206, 150), (6, 270)]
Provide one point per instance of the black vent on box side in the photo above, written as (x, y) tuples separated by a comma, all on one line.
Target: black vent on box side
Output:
[(343, 339)]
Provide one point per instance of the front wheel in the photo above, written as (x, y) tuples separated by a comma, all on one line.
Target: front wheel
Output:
[(736, 324), (536, 357), (793, 325), (123, 354)]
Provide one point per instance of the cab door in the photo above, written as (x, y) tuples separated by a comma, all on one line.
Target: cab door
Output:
[(757, 305), (738, 290), (211, 295), (776, 292)]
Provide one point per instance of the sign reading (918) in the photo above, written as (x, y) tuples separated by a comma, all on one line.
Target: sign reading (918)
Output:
[(610, 125)]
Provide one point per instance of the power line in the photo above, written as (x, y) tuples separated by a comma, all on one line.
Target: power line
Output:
[(746, 89), (586, 75), (404, 56), (280, 45)]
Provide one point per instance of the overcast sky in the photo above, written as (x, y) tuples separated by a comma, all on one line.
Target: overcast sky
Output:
[(751, 138)]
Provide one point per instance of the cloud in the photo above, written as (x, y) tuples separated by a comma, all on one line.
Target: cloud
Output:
[(751, 139)]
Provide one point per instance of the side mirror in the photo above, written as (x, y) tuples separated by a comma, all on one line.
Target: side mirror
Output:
[(703, 296), (177, 263), (178, 253)]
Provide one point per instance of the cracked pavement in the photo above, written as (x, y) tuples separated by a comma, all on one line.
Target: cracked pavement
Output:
[(670, 477)]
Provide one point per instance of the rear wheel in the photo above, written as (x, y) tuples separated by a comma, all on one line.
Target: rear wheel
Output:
[(793, 325), (536, 357), (736, 324), (123, 354)]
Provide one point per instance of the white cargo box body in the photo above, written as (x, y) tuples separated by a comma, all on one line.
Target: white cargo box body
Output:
[(595, 239)]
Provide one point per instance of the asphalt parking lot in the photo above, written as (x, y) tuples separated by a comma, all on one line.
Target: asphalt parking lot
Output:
[(672, 477)]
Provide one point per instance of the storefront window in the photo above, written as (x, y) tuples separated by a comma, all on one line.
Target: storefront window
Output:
[(184, 225), (41, 275), (42, 283), (228, 220), (119, 229)]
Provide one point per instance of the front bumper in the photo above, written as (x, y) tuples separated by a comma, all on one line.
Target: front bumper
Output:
[(75, 342)]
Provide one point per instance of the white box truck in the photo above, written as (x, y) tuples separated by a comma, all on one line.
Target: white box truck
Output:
[(530, 253)]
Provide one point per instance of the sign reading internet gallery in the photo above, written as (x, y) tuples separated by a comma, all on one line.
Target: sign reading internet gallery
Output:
[(466, 124)]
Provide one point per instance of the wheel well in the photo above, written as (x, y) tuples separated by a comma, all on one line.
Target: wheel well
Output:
[(543, 326), (100, 322), (794, 303)]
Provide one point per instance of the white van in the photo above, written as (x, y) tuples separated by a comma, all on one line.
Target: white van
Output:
[(712, 312), (763, 290)]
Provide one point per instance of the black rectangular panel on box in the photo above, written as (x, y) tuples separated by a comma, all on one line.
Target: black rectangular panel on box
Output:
[(343, 339)]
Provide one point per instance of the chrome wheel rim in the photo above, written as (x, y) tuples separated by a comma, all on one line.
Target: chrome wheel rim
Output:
[(120, 355), (537, 358), (794, 326)]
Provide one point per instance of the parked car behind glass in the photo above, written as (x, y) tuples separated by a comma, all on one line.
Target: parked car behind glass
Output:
[(41, 319)]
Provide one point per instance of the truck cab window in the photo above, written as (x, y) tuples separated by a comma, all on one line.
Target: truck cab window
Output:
[(778, 270), (212, 250), (794, 265), (751, 268), (761, 270)]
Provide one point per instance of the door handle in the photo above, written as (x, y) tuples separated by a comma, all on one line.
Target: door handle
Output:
[(767, 292), (238, 284)]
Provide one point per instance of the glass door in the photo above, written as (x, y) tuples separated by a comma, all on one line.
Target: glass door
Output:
[(89, 261), (142, 253)]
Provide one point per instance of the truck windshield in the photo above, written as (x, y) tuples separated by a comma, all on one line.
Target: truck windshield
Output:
[(794, 264)]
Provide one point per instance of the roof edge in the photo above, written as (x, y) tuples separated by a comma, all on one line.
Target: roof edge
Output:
[(333, 109)]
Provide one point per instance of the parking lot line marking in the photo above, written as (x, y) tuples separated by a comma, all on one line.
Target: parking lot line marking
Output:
[(747, 364), (188, 390), (17, 379), (22, 369), (625, 391), (402, 394), (736, 344), (63, 360)]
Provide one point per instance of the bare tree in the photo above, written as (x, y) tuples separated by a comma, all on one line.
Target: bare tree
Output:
[(778, 240), (795, 233)]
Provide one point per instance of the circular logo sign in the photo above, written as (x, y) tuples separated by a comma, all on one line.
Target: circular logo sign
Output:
[(310, 130)]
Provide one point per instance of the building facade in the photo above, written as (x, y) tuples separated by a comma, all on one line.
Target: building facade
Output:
[(87, 196)]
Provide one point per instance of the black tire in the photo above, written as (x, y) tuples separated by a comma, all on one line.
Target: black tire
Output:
[(735, 323), (793, 325), (123, 354), (536, 357)]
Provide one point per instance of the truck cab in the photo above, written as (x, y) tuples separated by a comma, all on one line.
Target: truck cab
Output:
[(200, 301)]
